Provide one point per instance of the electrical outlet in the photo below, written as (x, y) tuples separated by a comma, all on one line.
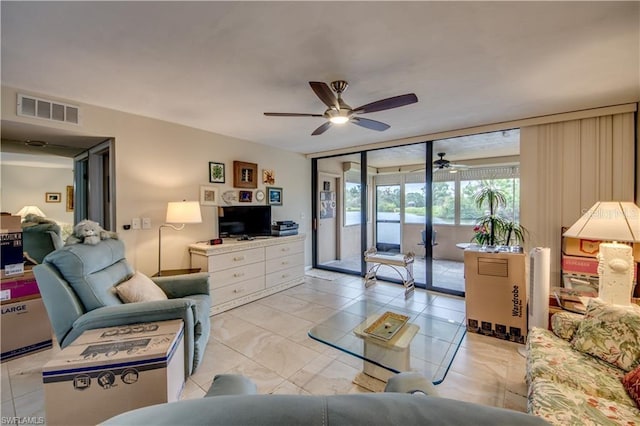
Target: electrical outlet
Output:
[(146, 223), (135, 223)]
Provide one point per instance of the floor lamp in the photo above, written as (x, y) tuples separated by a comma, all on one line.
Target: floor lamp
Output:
[(181, 213), (617, 222)]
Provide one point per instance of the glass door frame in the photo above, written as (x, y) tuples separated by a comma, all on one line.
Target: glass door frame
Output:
[(363, 214), (427, 281)]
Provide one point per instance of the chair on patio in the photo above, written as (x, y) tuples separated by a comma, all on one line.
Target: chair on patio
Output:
[(434, 235)]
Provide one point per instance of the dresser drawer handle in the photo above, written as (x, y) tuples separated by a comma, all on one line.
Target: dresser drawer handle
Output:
[(285, 262), (285, 276), (238, 274), (285, 249), (238, 258), (238, 290)]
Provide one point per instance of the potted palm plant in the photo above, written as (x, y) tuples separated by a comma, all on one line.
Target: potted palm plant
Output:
[(493, 229)]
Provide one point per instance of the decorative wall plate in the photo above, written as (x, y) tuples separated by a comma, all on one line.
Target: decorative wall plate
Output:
[(259, 195), (229, 197)]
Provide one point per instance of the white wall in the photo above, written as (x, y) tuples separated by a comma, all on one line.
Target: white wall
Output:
[(157, 162), (22, 185)]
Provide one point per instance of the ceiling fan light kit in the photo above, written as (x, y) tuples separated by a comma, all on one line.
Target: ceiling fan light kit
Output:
[(339, 112)]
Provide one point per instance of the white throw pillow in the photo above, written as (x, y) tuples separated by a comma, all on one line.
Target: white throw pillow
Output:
[(139, 288)]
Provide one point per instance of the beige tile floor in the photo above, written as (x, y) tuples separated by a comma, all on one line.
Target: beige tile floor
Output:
[(267, 341)]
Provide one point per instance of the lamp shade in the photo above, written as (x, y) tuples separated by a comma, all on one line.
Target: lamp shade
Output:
[(183, 212), (30, 210), (609, 221)]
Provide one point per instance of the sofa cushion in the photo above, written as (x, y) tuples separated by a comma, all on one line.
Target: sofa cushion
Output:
[(560, 404), (139, 288), (611, 333), (93, 271), (552, 358), (631, 382), (564, 324)]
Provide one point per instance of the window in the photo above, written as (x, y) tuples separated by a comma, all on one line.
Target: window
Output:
[(469, 182), (352, 198), (444, 202), (415, 209)]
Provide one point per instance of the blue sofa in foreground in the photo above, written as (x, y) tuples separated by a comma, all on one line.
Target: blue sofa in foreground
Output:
[(232, 400)]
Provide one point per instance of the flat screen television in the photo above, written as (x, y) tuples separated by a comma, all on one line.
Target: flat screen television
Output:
[(253, 221)]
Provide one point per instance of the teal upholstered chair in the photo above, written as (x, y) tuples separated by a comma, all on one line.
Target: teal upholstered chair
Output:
[(77, 286), (40, 238)]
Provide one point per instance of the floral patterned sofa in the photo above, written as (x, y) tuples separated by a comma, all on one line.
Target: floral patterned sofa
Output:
[(586, 372)]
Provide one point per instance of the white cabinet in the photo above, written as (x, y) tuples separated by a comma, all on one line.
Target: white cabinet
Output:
[(244, 271)]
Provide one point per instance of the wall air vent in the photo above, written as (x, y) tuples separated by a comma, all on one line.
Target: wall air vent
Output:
[(30, 106)]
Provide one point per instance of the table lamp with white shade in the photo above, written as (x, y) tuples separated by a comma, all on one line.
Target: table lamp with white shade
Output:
[(178, 212), (23, 212), (617, 222)]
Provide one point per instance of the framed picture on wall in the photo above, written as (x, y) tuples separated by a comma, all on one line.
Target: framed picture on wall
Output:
[(274, 196), (208, 195), (69, 198), (216, 172), (245, 175), (246, 196), (53, 197)]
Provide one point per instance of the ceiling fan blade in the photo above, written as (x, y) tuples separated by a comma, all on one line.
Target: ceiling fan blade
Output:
[(290, 114), (325, 94), (370, 124), (320, 130), (389, 103)]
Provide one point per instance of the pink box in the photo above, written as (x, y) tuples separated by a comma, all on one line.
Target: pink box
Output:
[(580, 265), (13, 288), (585, 265)]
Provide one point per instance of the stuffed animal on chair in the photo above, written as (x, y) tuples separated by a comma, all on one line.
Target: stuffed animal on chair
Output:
[(89, 232)]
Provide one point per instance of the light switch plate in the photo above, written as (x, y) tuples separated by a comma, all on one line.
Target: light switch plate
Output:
[(146, 223)]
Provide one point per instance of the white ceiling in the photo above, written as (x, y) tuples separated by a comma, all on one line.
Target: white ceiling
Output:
[(219, 65)]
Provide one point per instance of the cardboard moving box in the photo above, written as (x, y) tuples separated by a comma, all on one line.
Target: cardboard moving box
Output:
[(590, 248), (25, 328), (11, 262), (25, 325), (14, 289), (108, 371), (496, 294)]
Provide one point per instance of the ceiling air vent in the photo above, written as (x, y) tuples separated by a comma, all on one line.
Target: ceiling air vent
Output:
[(30, 106)]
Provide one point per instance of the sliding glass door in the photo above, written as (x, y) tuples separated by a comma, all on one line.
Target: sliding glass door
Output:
[(411, 199), (338, 214)]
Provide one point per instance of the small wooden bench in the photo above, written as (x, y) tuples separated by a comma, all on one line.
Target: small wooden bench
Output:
[(395, 262)]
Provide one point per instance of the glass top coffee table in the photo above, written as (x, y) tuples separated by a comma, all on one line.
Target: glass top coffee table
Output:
[(425, 343)]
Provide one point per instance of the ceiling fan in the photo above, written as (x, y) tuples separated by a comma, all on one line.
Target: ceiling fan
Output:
[(339, 112), (442, 163)]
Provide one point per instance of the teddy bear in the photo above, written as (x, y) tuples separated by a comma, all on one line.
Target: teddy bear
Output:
[(89, 232)]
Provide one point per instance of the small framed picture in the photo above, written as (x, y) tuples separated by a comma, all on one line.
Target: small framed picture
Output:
[(326, 185), (53, 197), (216, 172), (69, 198), (268, 176), (246, 196), (208, 195), (245, 175), (274, 196)]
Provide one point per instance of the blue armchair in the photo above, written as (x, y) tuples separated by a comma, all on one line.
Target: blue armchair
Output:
[(40, 237), (77, 286)]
